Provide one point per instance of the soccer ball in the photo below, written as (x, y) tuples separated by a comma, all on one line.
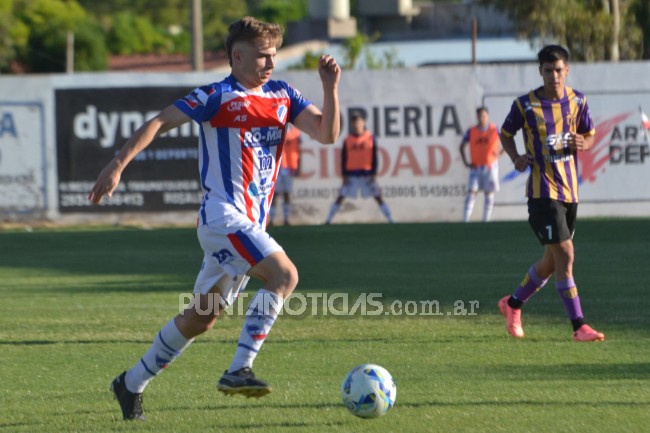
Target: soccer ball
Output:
[(368, 391)]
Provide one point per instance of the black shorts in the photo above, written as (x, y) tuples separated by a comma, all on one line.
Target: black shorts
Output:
[(552, 221)]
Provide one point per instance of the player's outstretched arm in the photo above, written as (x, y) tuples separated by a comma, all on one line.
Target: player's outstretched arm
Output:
[(324, 126), (108, 179)]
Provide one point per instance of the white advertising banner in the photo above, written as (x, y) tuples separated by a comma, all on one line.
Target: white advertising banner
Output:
[(418, 116), (22, 159), (418, 119)]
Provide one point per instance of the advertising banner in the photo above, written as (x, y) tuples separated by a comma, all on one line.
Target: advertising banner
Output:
[(22, 159), (92, 126), (418, 118)]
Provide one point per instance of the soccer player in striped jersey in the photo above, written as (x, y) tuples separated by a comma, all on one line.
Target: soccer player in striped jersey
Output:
[(556, 125), (484, 149), (243, 122)]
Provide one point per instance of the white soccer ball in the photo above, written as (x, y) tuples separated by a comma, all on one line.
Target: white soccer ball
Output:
[(368, 391)]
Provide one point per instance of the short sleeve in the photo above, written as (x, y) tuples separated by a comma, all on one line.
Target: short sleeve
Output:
[(202, 103), (297, 101), (514, 121), (585, 123)]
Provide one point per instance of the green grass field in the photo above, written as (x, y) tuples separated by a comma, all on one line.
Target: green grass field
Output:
[(80, 305)]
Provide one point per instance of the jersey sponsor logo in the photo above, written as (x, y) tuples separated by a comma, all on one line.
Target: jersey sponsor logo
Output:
[(558, 141), (263, 137), (238, 105), (224, 256)]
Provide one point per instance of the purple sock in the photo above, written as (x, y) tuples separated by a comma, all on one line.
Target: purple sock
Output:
[(569, 294), (531, 283)]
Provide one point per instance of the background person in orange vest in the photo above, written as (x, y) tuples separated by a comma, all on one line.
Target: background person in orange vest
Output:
[(359, 167), (484, 149), (289, 168)]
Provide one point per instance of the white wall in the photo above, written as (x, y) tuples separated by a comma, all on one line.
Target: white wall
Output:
[(419, 117)]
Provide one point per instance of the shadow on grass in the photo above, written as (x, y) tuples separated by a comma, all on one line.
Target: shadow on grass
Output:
[(581, 372), (532, 403)]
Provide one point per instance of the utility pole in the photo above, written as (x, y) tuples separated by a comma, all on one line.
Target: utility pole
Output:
[(474, 39), (196, 16), (69, 52)]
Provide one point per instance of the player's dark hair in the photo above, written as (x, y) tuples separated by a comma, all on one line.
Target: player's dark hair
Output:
[(249, 29), (552, 53), (481, 108)]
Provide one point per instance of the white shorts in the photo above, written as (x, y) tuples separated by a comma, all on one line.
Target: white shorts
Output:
[(365, 185), (284, 181), (485, 178), (232, 245)]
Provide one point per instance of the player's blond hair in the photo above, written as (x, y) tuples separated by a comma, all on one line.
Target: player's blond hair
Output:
[(249, 29)]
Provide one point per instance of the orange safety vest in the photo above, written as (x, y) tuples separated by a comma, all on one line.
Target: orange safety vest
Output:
[(291, 149), (484, 145), (359, 154)]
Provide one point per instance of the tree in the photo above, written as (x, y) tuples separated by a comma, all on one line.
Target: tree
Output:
[(642, 15), (14, 34), (49, 22), (279, 11), (217, 16), (132, 34), (588, 28)]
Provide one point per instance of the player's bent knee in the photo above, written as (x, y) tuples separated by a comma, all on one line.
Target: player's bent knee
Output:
[(193, 323), (288, 278)]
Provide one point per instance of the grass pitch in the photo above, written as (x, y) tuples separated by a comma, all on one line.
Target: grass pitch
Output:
[(80, 305)]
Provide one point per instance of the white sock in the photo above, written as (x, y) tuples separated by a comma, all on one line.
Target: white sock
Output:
[(167, 346), (487, 208), (260, 316), (286, 207), (335, 208), (469, 206), (386, 211)]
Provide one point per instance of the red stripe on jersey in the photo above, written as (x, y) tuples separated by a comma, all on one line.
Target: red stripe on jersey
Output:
[(239, 246), (247, 176), (190, 103), (252, 112)]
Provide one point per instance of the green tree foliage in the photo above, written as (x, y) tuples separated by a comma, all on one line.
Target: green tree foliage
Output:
[(309, 61), (354, 47), (14, 34), (389, 60), (279, 11), (642, 15), (132, 34), (49, 22), (91, 53), (358, 45), (217, 16), (33, 32), (585, 27)]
